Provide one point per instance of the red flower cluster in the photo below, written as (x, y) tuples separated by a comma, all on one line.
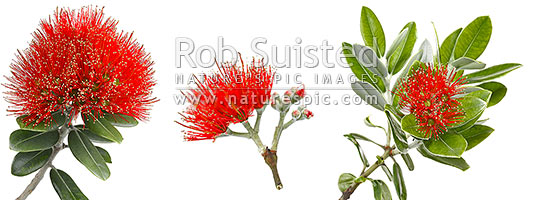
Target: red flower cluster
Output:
[(78, 61), (429, 94), (226, 97)]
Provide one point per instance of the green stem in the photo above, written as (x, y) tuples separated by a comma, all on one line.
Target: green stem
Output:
[(238, 134), (287, 124), (278, 131), (347, 193), (259, 112), (254, 136), (63, 132)]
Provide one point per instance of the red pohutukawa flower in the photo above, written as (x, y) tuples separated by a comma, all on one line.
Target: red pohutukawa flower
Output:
[(430, 95), (226, 97), (77, 60)]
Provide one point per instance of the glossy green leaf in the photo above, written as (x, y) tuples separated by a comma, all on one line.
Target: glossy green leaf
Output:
[(474, 38), (372, 32), (106, 156), (401, 39), (26, 140), (58, 119), (120, 120), (26, 163), (401, 49), (459, 163), (491, 72), (102, 127), (381, 190), (481, 93), (369, 94), (399, 182), (362, 73), (359, 149), (410, 125), (498, 92), (448, 46), (387, 172), (368, 59), (398, 134), (345, 180), (447, 145), (408, 161), (87, 154), (92, 136), (476, 134), (467, 63), (473, 108), (65, 187)]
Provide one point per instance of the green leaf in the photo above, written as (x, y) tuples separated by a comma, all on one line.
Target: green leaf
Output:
[(26, 141), (369, 94), (448, 46), (408, 161), (351, 138), (476, 134), (427, 52), (478, 92), (65, 187), (372, 32), (368, 59), (398, 134), (491, 72), (410, 125), (26, 163), (401, 39), (467, 63), (459, 163), (381, 190), (474, 38), (120, 120), (87, 154), (345, 180), (102, 127), (58, 120), (362, 73), (399, 182), (93, 136), (358, 136), (106, 156), (473, 107), (447, 145), (387, 172), (370, 124), (401, 49), (498, 92)]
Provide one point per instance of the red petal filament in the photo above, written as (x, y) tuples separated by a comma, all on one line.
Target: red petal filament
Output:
[(430, 95)]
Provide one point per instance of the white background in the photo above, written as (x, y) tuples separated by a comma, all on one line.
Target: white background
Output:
[(154, 162)]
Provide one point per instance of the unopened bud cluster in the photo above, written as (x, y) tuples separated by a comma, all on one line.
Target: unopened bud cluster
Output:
[(282, 103), (301, 113)]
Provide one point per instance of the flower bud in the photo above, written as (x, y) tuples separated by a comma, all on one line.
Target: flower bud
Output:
[(298, 93), (301, 113), (275, 100), (296, 114), (308, 114)]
